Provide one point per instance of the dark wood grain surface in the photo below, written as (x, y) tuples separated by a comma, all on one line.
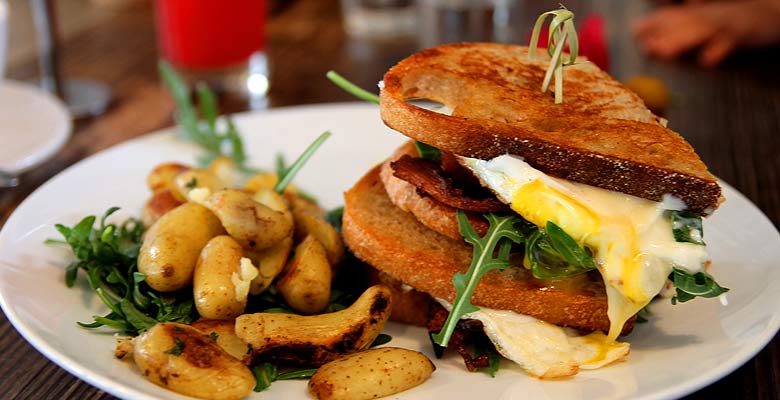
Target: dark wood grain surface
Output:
[(731, 115)]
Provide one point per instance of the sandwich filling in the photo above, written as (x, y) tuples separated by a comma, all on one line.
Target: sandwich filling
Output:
[(542, 349), (631, 238)]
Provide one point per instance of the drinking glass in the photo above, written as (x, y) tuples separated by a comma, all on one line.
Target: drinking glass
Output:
[(221, 43)]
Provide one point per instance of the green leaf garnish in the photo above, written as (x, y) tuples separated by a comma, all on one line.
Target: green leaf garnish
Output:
[(334, 217), (351, 88), (296, 374), (494, 360), (381, 339), (501, 234), (643, 314), (267, 373), (213, 336), (203, 133), (426, 151), (687, 227), (108, 255), (554, 254), (561, 30), (292, 170), (689, 286)]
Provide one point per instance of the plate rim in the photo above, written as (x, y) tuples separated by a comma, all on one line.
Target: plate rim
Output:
[(57, 139)]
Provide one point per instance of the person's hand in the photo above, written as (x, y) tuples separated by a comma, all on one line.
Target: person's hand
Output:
[(714, 29)]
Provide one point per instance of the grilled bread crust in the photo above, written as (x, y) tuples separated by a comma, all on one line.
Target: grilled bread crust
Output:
[(394, 242), (601, 135)]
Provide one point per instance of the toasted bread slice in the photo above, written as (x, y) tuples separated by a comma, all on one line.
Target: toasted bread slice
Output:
[(601, 135), (394, 242), (409, 306)]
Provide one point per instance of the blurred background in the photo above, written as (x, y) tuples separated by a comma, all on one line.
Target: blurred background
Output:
[(113, 40)]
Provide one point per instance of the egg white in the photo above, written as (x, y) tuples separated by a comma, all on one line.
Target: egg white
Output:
[(632, 239)]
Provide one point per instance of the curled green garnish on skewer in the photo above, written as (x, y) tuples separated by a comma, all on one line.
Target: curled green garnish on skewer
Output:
[(561, 30)]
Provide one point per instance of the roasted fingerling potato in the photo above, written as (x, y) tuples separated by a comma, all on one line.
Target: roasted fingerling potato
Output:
[(172, 245), (187, 181), (220, 283), (255, 226), (226, 171), (305, 283), (274, 201), (164, 176), (159, 203), (267, 181), (270, 263), (370, 374), (307, 223), (224, 332), (317, 339), (299, 204), (186, 360)]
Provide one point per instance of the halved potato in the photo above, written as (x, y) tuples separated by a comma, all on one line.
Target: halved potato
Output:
[(317, 339)]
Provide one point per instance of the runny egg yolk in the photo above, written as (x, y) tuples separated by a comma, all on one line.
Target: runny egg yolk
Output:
[(631, 238)]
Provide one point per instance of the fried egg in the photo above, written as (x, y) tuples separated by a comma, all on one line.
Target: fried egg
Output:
[(545, 350), (631, 238)]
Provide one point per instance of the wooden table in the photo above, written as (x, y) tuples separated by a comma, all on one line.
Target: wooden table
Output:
[(731, 115)]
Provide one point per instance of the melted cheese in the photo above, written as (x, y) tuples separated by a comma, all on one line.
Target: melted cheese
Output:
[(632, 239)]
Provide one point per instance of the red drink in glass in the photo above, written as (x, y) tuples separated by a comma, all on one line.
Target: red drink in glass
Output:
[(210, 34)]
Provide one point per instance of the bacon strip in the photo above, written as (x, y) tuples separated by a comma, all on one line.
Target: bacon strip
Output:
[(467, 334), (429, 179)]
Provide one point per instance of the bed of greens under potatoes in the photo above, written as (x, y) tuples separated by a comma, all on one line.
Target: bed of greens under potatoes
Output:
[(230, 278)]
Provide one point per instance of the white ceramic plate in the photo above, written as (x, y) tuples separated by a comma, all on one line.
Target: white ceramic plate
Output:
[(683, 348), (35, 126)]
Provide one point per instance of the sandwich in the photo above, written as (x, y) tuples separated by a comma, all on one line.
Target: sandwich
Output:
[(548, 226)]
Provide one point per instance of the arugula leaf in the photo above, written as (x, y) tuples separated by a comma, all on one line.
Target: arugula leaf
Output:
[(554, 254), (351, 88), (205, 134), (267, 373), (339, 300), (501, 234), (296, 374), (640, 316), (108, 256), (426, 151), (334, 217), (687, 227), (494, 359), (381, 339), (689, 286)]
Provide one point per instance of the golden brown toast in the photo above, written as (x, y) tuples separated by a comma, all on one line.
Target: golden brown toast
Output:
[(394, 242), (601, 135)]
